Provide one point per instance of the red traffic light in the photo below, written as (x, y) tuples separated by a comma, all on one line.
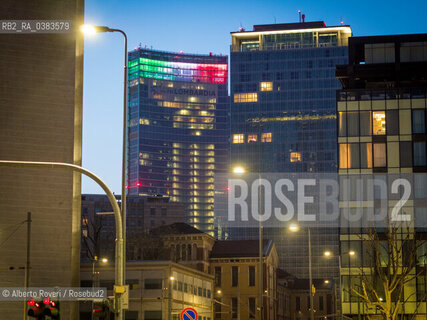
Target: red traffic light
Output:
[(31, 302), (46, 300)]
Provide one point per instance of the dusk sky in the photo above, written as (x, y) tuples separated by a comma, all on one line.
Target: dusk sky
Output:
[(197, 27)]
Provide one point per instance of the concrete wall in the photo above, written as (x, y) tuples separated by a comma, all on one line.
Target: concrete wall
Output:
[(40, 120)]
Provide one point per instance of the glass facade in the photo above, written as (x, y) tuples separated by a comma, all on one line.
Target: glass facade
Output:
[(283, 118), (381, 129), (288, 95), (178, 128)]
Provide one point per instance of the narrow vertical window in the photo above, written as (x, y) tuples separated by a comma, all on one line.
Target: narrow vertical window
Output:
[(234, 276), (378, 122), (380, 158)]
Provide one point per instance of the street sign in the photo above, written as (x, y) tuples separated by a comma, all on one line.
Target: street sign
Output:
[(189, 314)]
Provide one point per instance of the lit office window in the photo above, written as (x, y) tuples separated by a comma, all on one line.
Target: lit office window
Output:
[(343, 156), (252, 138), (267, 137), (266, 86), (245, 97), (380, 159), (342, 124), (296, 157), (378, 122), (349, 156), (238, 138)]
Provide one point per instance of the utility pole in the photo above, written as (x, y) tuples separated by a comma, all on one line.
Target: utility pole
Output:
[(27, 265)]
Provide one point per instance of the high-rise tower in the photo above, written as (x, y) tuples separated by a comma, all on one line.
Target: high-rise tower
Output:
[(178, 128)]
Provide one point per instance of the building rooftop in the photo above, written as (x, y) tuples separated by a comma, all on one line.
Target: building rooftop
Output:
[(176, 228), (290, 26), (239, 248)]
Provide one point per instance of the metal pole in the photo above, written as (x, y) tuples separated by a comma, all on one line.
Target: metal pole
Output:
[(310, 276), (170, 293), (124, 150), (339, 274), (120, 263), (27, 266), (260, 249), (124, 143)]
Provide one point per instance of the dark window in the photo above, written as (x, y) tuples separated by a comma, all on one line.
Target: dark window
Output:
[(164, 211), (251, 276), (405, 150), (234, 276), (179, 285), (297, 304), (234, 307), (392, 124), (209, 293), (418, 121), (329, 303), (321, 303), (352, 124), (204, 292), (252, 308), (365, 123), (420, 154), (199, 291), (365, 155), (152, 283), (185, 287), (353, 156), (153, 315), (218, 308), (218, 276), (153, 211), (109, 284), (380, 157), (342, 124)]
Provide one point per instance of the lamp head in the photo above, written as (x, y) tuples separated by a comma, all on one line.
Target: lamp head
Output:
[(90, 30)]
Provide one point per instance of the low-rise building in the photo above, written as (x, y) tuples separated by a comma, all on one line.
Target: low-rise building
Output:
[(143, 214), (157, 289), (235, 265)]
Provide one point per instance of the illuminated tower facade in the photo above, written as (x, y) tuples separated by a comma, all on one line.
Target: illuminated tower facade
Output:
[(283, 87), (283, 119), (178, 129)]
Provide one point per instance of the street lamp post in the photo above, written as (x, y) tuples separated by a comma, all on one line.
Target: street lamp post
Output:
[(87, 29), (95, 275), (328, 254), (295, 228), (119, 265)]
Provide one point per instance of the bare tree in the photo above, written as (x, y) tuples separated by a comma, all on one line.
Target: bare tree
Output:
[(91, 235), (394, 255)]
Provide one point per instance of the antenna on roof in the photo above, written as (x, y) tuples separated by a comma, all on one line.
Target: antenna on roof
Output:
[(303, 18), (299, 14), (241, 29), (341, 21)]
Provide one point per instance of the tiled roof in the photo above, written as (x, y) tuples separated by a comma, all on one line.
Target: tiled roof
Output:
[(239, 248), (176, 228)]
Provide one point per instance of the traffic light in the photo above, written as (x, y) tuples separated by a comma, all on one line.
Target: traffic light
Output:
[(101, 310), (51, 308), (39, 309), (36, 309)]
